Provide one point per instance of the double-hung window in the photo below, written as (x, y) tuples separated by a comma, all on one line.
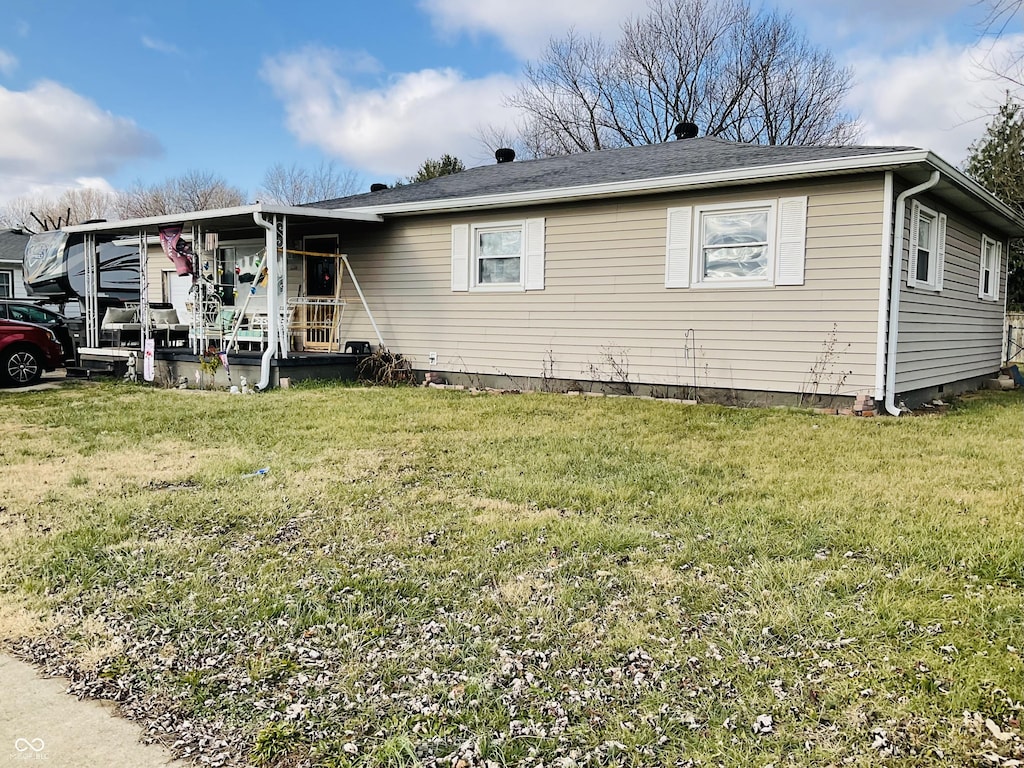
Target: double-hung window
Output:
[(927, 248), (988, 279), (6, 284), (503, 256), (734, 245), (498, 256)]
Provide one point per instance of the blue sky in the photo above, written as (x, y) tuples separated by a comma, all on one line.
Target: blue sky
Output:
[(107, 93)]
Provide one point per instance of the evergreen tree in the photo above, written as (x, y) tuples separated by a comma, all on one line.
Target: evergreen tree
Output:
[(996, 161), (431, 169)]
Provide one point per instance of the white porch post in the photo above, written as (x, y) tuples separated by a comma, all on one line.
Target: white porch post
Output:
[(143, 287), (284, 337)]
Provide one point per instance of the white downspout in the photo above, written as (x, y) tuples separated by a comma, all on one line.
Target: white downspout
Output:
[(272, 298), (894, 293), (885, 278)]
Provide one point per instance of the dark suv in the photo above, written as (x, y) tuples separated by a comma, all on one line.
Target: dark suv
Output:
[(26, 351), (26, 311)]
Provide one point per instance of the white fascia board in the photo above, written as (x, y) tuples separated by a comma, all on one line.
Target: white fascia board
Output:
[(219, 213), (761, 174)]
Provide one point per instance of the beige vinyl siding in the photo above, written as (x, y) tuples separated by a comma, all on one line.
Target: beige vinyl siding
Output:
[(605, 298), (951, 335)]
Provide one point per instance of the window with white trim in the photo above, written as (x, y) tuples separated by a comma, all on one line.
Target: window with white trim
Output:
[(498, 256), (927, 248), (505, 256), (756, 244), (734, 244), (6, 284), (988, 278)]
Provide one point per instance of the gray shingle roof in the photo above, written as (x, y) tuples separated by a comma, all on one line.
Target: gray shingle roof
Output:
[(12, 245), (674, 158)]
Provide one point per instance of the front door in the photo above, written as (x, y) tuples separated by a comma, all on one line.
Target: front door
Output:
[(321, 305)]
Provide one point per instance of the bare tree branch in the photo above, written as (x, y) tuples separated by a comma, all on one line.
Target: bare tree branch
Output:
[(70, 207), (295, 185), (738, 73), (192, 191)]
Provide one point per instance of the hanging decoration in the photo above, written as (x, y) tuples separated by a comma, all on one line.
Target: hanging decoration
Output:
[(178, 250)]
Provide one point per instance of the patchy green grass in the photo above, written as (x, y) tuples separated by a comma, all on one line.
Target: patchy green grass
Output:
[(425, 577)]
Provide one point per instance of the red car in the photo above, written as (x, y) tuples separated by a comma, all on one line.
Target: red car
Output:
[(26, 351)]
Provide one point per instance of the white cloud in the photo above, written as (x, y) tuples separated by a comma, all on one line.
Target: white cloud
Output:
[(524, 27), (161, 46), (390, 129), (8, 63), (937, 98), (51, 135)]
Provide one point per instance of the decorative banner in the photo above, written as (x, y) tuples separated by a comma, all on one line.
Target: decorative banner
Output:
[(177, 249), (148, 361)]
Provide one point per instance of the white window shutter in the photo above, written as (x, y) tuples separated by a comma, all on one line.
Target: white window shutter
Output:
[(915, 221), (982, 263), (792, 241), (534, 278), (460, 257), (677, 260), (940, 251), (997, 270)]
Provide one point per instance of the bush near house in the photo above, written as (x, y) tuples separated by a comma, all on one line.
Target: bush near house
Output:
[(435, 578)]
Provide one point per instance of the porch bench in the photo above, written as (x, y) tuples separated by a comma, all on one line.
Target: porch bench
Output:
[(253, 333), (167, 322), (117, 320)]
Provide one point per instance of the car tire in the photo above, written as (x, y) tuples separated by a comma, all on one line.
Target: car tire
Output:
[(21, 366)]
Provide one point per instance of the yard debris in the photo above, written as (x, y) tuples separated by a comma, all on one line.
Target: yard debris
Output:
[(258, 473), (763, 724)]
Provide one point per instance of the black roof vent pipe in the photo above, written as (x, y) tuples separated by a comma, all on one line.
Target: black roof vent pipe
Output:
[(686, 131), (505, 155), (378, 187)]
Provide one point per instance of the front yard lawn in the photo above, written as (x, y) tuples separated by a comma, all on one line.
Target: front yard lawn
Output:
[(442, 579)]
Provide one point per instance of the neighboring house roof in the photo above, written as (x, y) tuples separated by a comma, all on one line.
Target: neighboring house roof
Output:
[(671, 166), (12, 245)]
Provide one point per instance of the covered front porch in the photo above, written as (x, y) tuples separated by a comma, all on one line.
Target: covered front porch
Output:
[(266, 290)]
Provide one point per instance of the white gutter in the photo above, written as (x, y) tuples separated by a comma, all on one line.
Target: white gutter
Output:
[(217, 213), (272, 304), (894, 293), (885, 272)]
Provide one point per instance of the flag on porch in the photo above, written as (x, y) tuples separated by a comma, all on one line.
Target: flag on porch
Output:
[(178, 250)]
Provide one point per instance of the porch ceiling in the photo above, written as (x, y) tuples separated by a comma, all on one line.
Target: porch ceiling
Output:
[(238, 219)]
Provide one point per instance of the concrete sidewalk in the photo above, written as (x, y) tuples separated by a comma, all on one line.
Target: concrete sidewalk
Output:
[(40, 725)]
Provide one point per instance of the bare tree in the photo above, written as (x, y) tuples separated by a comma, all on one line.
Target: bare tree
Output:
[(73, 206), (1007, 65), (738, 73), (295, 185), (192, 191)]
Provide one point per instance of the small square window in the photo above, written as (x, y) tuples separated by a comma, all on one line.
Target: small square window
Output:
[(734, 245)]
